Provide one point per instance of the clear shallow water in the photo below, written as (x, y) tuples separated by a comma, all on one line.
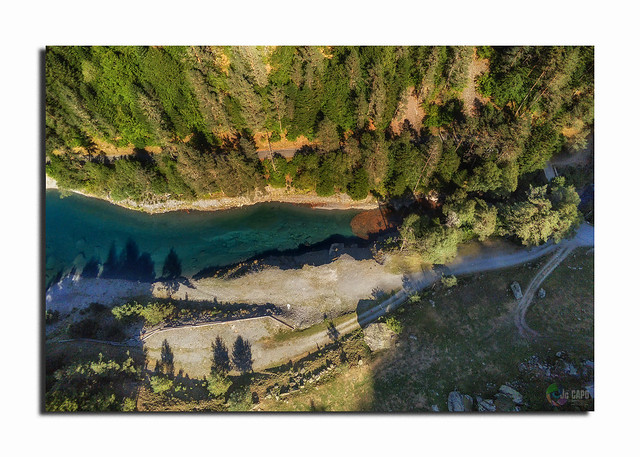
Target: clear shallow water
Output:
[(80, 228)]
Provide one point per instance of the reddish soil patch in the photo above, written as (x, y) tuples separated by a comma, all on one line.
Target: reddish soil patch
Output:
[(372, 222)]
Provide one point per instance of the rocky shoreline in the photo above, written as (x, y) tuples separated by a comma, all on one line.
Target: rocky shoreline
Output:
[(335, 202)]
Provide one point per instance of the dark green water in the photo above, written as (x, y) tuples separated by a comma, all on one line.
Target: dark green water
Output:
[(80, 228)]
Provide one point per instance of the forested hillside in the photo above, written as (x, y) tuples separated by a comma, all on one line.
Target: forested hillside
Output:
[(188, 119)]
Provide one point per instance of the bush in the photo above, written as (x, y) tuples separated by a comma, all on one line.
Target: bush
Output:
[(394, 324), (160, 384), (218, 384), (240, 400), (91, 386), (449, 281), (152, 313), (129, 404)]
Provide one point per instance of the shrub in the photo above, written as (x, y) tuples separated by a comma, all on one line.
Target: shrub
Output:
[(449, 281), (240, 400), (152, 313), (160, 384), (394, 324), (129, 404), (218, 384)]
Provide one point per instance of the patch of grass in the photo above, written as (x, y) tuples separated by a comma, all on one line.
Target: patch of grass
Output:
[(567, 308)]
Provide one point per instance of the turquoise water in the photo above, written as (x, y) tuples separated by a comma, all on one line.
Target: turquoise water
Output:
[(80, 228)]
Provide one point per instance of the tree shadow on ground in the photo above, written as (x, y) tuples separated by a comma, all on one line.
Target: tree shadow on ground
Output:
[(165, 365), (332, 331), (241, 355)]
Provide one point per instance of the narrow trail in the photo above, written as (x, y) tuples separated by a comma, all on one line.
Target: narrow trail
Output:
[(525, 302)]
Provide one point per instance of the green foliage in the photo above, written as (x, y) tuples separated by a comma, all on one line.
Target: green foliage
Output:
[(160, 384), (202, 105), (485, 222), (91, 386), (240, 399), (436, 244), (218, 384), (358, 189), (394, 324), (546, 213), (539, 148), (449, 281), (85, 328), (152, 313), (441, 115)]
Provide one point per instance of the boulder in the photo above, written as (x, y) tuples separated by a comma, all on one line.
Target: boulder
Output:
[(485, 405), (504, 403), (513, 394), (542, 293), (379, 336), (517, 291), (455, 402)]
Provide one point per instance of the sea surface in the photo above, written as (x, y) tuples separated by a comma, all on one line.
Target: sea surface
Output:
[(80, 232)]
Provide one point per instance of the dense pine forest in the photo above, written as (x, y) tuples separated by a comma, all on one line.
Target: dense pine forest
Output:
[(469, 124)]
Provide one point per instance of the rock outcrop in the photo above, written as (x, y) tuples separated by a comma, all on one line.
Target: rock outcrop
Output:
[(455, 402), (517, 291), (379, 336), (513, 394)]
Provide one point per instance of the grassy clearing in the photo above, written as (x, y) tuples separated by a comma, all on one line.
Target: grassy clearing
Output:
[(465, 338), (566, 310)]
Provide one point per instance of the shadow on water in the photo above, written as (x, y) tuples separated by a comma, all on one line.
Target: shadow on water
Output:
[(129, 264), (316, 254)]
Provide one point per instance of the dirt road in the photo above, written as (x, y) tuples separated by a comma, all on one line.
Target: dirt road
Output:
[(532, 288), (303, 345)]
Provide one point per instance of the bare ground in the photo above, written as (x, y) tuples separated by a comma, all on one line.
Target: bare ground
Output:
[(411, 110), (191, 346), (469, 94)]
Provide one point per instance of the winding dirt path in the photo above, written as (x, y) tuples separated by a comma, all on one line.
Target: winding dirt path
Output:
[(532, 288)]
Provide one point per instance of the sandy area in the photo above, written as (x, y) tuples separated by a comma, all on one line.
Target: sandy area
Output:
[(311, 291), (190, 344)]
